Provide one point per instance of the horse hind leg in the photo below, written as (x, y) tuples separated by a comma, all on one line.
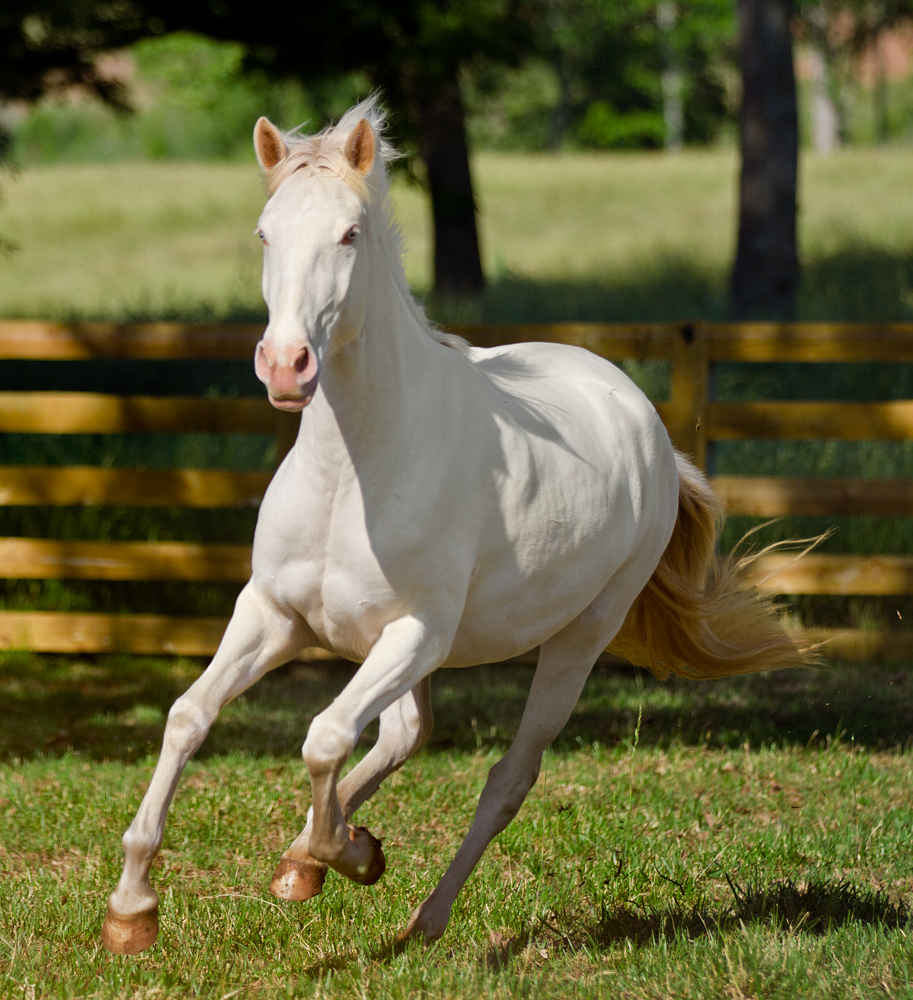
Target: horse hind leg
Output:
[(565, 662), (404, 727)]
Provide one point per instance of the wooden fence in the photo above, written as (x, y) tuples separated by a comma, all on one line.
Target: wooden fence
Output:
[(694, 419)]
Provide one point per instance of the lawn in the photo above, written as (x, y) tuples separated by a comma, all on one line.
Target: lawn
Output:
[(747, 838), (616, 236)]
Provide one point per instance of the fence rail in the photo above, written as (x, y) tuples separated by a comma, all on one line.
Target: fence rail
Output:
[(694, 420), (23, 486), (94, 413)]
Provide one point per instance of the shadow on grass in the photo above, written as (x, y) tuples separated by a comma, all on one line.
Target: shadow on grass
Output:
[(115, 707), (816, 907), (861, 284)]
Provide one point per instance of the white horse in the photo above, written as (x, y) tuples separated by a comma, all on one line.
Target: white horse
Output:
[(442, 506)]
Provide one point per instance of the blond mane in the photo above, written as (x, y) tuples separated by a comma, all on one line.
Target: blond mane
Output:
[(325, 152)]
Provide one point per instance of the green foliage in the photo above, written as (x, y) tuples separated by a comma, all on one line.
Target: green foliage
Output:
[(50, 45), (840, 33), (194, 100), (868, 118), (594, 82), (198, 102), (603, 126), (597, 80), (511, 108)]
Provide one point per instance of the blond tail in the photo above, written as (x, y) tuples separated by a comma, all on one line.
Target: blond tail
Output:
[(693, 617)]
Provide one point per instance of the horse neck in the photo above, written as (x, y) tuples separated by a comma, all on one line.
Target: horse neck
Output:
[(373, 387)]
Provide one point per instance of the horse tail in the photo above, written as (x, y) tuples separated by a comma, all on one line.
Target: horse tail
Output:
[(695, 617)]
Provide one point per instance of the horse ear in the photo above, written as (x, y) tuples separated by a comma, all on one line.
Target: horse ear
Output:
[(361, 147), (268, 144)]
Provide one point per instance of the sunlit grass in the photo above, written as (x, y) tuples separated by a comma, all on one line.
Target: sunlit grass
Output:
[(117, 240), (637, 235), (740, 839)]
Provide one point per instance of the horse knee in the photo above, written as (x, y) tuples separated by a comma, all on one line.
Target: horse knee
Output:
[(188, 724), (327, 745), (139, 845), (514, 776)]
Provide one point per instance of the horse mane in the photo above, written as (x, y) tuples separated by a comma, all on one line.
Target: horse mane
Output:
[(325, 152)]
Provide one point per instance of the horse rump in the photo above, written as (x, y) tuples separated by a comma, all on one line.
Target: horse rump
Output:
[(696, 616)]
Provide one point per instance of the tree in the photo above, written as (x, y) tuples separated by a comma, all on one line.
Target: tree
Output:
[(818, 24), (765, 277), (636, 73), (421, 76), (414, 51), (840, 32), (49, 45)]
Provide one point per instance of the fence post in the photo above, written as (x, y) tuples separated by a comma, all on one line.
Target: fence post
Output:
[(689, 393)]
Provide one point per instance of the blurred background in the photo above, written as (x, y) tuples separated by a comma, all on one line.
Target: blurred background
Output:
[(563, 159)]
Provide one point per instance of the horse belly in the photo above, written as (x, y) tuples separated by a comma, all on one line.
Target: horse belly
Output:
[(527, 591), (573, 508)]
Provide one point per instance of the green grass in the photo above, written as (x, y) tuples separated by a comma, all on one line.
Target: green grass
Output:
[(751, 839), (615, 236)]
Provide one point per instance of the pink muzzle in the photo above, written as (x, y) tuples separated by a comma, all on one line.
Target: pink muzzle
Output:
[(290, 386)]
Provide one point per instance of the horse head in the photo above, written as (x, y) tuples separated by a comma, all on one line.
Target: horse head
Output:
[(314, 230)]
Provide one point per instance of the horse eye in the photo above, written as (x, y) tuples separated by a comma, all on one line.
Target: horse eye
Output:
[(260, 234), (349, 237)]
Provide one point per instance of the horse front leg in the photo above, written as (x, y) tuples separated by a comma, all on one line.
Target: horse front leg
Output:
[(404, 727), (258, 638), (406, 652)]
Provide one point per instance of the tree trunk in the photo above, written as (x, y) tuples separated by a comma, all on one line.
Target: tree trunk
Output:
[(671, 78), (561, 114), (765, 277), (880, 94), (443, 148), (825, 117)]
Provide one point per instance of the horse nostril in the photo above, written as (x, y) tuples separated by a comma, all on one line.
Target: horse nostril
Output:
[(264, 363), (301, 362)]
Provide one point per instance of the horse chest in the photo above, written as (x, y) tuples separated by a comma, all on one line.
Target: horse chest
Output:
[(318, 559)]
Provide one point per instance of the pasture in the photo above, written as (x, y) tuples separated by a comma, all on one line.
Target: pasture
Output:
[(629, 236), (748, 838)]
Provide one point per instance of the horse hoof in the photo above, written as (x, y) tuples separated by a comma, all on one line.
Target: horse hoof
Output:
[(377, 863), (129, 935), (427, 924), (298, 879)]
